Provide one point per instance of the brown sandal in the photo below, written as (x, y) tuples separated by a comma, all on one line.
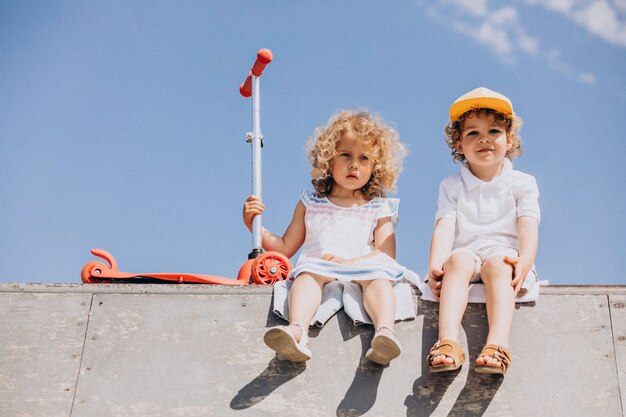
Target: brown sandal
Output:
[(497, 352), (448, 348)]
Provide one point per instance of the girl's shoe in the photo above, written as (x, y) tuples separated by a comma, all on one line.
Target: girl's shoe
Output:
[(281, 340), (448, 348), (385, 346), (498, 352)]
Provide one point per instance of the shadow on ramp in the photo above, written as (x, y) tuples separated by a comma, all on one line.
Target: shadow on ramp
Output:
[(430, 388), (277, 373)]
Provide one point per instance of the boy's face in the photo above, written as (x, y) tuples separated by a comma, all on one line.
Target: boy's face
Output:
[(483, 141)]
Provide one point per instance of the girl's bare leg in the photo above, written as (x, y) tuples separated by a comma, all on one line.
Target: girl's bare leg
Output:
[(305, 297), (379, 301)]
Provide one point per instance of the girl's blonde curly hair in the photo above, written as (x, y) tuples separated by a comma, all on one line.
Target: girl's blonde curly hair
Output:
[(386, 152), (511, 124)]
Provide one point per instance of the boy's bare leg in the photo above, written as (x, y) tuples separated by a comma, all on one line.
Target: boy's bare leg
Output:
[(305, 297), (379, 301), (497, 276), (458, 271)]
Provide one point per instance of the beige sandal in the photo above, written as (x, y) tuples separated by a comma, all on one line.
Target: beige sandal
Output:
[(385, 346), (497, 352), (281, 340), (448, 348)]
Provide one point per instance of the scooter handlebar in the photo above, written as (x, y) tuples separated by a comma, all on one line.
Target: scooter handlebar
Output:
[(263, 57)]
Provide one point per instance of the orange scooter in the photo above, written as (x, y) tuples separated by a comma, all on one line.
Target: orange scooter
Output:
[(265, 269), (260, 268)]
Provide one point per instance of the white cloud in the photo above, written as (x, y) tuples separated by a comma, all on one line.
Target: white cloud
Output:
[(493, 36), (555, 62), (620, 4), (563, 6), (587, 78), (476, 8), (500, 29), (528, 44), (602, 18)]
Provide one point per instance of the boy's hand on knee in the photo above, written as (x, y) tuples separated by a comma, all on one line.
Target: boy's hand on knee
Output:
[(435, 276), (519, 274)]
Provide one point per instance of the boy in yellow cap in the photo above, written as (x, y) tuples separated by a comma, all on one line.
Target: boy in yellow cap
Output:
[(486, 229)]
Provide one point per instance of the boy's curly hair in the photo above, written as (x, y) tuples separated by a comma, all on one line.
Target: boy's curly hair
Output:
[(511, 124), (386, 154)]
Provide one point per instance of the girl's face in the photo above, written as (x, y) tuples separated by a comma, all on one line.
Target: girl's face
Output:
[(352, 166), (483, 142)]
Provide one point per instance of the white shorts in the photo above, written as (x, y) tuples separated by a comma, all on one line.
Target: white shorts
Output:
[(482, 254)]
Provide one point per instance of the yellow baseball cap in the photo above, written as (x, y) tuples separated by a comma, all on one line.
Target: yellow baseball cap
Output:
[(481, 97)]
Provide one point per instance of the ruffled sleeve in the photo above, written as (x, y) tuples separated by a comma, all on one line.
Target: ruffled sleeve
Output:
[(389, 208), (305, 197)]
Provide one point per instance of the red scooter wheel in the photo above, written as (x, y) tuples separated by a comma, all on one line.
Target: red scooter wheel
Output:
[(245, 272), (270, 267), (90, 272)]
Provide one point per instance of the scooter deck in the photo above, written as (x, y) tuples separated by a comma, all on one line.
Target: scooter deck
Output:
[(98, 272)]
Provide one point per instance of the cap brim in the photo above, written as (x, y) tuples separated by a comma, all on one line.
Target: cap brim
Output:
[(460, 107)]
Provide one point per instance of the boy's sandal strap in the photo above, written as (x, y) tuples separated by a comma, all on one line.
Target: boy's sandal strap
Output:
[(498, 352), (448, 348)]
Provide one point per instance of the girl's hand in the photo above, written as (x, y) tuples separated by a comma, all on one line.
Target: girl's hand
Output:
[(337, 259), (519, 273), (435, 276), (252, 207)]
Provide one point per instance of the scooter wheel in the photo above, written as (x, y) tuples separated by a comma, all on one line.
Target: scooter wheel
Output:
[(91, 270), (245, 272), (270, 267)]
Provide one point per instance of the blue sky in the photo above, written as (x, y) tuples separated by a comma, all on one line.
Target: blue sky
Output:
[(121, 126)]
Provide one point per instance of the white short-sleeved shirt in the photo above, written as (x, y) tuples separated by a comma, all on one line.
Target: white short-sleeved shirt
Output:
[(485, 213)]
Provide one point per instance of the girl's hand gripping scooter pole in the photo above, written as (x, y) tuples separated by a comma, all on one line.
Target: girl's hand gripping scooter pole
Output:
[(271, 266)]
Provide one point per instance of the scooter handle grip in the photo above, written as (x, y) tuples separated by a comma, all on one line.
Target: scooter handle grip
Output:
[(263, 57)]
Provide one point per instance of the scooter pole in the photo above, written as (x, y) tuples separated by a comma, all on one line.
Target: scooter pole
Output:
[(264, 268), (257, 188), (252, 86)]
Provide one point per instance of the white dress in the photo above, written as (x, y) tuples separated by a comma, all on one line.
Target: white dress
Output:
[(347, 232)]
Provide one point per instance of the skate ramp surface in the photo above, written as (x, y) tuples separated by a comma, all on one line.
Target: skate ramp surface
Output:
[(194, 350)]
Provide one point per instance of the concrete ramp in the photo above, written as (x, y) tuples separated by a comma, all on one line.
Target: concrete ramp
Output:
[(184, 350)]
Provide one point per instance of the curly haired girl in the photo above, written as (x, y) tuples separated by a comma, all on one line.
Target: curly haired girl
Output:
[(345, 229)]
